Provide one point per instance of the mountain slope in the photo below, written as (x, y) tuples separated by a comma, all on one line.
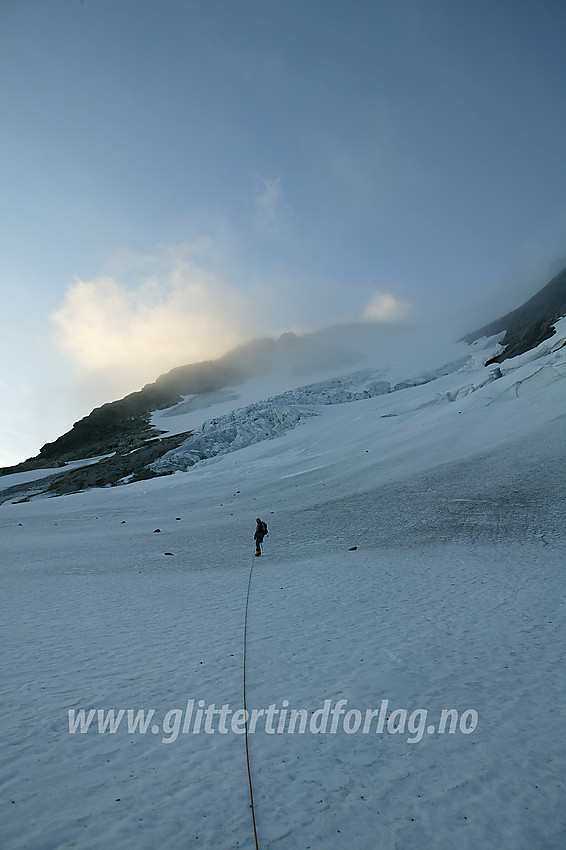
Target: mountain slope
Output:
[(454, 600), (530, 324), (123, 426), (137, 443)]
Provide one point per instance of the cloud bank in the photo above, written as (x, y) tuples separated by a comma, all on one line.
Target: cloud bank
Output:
[(385, 307), (172, 307), (123, 335)]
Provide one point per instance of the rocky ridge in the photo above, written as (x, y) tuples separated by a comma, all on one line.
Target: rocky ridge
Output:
[(133, 449)]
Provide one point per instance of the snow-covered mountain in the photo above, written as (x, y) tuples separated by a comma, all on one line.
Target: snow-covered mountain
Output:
[(266, 387), (411, 591), (531, 323)]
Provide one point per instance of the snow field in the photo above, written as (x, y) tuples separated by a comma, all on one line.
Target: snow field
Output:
[(454, 598)]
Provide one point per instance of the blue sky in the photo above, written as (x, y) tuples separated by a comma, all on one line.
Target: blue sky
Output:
[(178, 175)]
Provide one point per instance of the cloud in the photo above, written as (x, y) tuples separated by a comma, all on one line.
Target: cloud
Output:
[(124, 335), (181, 304), (384, 307), (271, 214)]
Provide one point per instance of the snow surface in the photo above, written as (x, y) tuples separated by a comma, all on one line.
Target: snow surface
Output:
[(452, 491), (274, 416)]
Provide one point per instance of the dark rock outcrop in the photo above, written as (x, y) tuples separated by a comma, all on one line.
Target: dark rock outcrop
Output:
[(528, 325), (125, 466), (124, 425), (123, 428)]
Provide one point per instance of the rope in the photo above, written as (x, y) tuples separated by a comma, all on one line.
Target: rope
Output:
[(245, 708)]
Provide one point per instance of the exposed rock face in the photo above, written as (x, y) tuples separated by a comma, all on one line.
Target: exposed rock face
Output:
[(530, 324), (123, 428), (124, 425), (125, 466)]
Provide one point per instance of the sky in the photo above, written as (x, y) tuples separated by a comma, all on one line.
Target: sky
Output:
[(181, 175)]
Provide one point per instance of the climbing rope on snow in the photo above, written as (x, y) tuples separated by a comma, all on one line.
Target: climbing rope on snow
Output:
[(245, 707)]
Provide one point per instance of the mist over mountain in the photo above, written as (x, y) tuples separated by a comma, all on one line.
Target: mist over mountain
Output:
[(343, 363), (124, 424), (413, 569), (529, 324)]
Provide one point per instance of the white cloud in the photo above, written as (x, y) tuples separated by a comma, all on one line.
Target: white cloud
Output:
[(384, 307), (154, 311), (271, 214), (124, 336)]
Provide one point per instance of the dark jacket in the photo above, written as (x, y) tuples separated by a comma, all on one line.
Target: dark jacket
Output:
[(260, 530)]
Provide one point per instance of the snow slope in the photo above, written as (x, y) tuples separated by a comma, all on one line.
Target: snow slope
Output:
[(452, 492), (234, 427)]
